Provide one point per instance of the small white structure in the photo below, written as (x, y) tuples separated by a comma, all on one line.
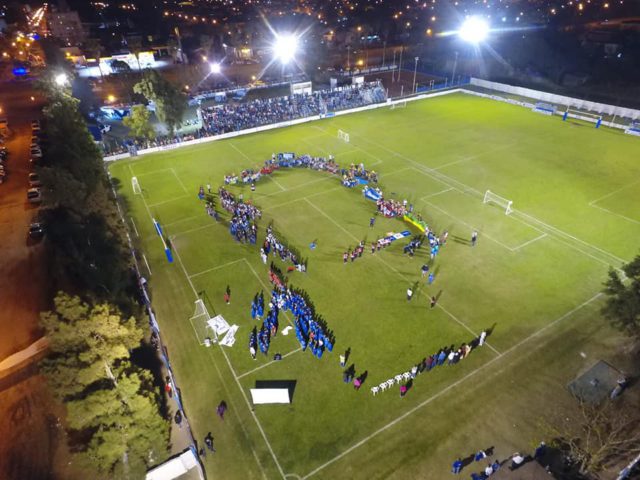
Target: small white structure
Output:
[(175, 467), (261, 396)]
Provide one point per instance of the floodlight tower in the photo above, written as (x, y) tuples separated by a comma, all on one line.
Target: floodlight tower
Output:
[(215, 68), (285, 48)]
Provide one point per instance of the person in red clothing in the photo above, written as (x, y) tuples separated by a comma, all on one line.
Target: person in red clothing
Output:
[(227, 295)]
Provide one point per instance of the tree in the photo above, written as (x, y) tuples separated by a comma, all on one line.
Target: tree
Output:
[(597, 437), (86, 343), (622, 307), (170, 103), (109, 401), (139, 123)]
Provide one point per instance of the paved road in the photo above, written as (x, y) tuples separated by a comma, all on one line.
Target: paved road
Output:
[(31, 441), (22, 270)]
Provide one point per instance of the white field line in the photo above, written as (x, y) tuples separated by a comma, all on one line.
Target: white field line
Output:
[(299, 349), (450, 387), (629, 219), (466, 188), (200, 341), (391, 267), (244, 395), (484, 234), (191, 230), (179, 197), (179, 181), (213, 269), (153, 172), (296, 200), (478, 155), (249, 158), (436, 193), (310, 182), (267, 288), (464, 325), (185, 219), (218, 370), (540, 237), (593, 202), (135, 229), (144, 257), (144, 200)]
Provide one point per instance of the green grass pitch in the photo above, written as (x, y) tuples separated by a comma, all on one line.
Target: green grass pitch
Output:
[(535, 275)]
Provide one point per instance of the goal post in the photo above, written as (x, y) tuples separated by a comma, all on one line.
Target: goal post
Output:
[(199, 321), (580, 115), (342, 135), (490, 197), (135, 185), (401, 104)]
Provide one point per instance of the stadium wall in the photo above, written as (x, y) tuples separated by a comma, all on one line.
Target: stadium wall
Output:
[(289, 123), (593, 107)]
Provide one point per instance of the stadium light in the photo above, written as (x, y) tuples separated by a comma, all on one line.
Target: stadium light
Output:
[(215, 68), (474, 30), (61, 79), (285, 48)]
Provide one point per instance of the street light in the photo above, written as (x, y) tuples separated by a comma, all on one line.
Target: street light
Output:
[(111, 98), (61, 79), (415, 72), (215, 68), (474, 30)]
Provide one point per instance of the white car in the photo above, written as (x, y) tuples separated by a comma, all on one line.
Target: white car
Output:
[(34, 195)]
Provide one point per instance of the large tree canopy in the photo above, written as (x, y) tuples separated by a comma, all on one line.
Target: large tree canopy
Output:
[(170, 103), (112, 403)]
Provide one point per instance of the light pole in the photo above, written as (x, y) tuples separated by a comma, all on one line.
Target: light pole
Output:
[(348, 57), (393, 70), (384, 51), (400, 63), (455, 64), (415, 72)]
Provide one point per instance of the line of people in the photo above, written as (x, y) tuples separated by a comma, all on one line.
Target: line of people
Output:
[(243, 217), (446, 355), (310, 330)]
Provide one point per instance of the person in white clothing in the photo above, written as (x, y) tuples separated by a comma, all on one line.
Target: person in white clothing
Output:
[(482, 338)]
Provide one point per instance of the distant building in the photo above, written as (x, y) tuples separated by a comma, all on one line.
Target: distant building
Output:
[(66, 26)]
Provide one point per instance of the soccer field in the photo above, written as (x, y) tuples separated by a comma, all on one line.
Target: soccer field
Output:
[(533, 280)]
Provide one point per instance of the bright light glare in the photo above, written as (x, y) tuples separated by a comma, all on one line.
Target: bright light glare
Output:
[(285, 48), (474, 30), (215, 68), (61, 79)]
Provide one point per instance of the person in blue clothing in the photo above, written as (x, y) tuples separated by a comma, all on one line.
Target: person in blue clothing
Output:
[(431, 278), (456, 466)]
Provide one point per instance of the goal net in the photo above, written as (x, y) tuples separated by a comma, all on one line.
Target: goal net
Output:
[(135, 186), (343, 136), (490, 197), (402, 104), (580, 115), (199, 321)]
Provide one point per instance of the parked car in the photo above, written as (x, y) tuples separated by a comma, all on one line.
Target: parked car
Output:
[(36, 152), (35, 124), (36, 230), (34, 195), (34, 180)]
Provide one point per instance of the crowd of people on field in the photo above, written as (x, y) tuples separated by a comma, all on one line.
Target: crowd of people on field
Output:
[(311, 331), (272, 244), (243, 217), (357, 174), (260, 340)]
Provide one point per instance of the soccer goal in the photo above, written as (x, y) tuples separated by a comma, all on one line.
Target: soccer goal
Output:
[(402, 104), (343, 136), (135, 186), (490, 197), (580, 115), (199, 321)]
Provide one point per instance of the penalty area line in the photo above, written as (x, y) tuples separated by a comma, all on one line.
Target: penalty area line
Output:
[(299, 349), (448, 388)]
